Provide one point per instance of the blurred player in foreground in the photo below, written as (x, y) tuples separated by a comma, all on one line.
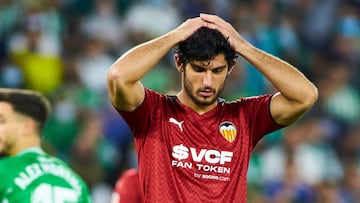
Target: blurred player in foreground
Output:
[(127, 188), (194, 146), (28, 174)]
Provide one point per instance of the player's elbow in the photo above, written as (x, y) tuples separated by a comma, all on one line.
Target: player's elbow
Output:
[(310, 97), (116, 77), (305, 99), (113, 75), (115, 81)]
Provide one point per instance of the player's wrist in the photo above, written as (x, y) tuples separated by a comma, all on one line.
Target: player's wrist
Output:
[(173, 37), (243, 47)]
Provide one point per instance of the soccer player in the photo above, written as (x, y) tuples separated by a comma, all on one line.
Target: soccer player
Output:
[(127, 188), (194, 146), (27, 173)]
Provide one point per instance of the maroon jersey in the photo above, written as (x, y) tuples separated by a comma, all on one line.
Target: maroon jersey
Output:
[(188, 157), (127, 188)]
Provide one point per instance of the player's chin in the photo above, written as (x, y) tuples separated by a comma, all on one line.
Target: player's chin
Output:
[(206, 100)]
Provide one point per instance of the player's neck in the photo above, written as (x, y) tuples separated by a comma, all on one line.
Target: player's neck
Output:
[(187, 101), (24, 144)]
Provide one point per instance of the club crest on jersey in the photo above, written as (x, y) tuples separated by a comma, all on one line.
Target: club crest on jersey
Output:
[(228, 130)]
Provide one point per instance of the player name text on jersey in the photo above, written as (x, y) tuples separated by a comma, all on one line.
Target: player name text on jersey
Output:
[(36, 170)]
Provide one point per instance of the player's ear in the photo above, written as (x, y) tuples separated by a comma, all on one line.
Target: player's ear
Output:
[(179, 65)]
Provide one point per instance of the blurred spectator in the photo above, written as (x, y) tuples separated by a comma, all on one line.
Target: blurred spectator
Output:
[(317, 33), (346, 42), (10, 14), (350, 145), (341, 99), (92, 66), (38, 55), (104, 24), (328, 192), (291, 188), (350, 186), (118, 133), (151, 20), (11, 76), (92, 156), (63, 126), (314, 159)]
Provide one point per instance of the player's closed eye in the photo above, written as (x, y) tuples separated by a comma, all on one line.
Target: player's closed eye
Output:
[(200, 69), (197, 68), (218, 70)]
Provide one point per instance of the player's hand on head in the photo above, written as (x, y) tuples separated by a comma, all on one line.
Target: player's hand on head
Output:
[(228, 31), (187, 28)]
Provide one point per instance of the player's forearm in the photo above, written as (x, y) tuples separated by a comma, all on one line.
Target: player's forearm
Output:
[(292, 84), (135, 63)]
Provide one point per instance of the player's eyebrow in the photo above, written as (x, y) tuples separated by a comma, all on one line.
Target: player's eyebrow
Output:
[(198, 66)]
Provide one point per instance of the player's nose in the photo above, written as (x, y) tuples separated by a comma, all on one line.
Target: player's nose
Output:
[(207, 79)]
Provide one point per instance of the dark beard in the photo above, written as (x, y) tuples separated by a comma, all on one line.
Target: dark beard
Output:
[(188, 89)]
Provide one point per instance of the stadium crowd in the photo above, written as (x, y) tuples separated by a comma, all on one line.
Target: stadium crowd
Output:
[(64, 48)]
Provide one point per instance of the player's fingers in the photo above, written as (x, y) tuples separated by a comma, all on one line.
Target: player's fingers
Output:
[(211, 18), (215, 22), (210, 25)]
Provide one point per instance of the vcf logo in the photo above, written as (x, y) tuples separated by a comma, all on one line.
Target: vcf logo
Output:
[(228, 130), (212, 156)]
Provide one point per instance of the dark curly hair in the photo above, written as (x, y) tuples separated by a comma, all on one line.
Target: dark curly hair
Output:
[(204, 45)]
